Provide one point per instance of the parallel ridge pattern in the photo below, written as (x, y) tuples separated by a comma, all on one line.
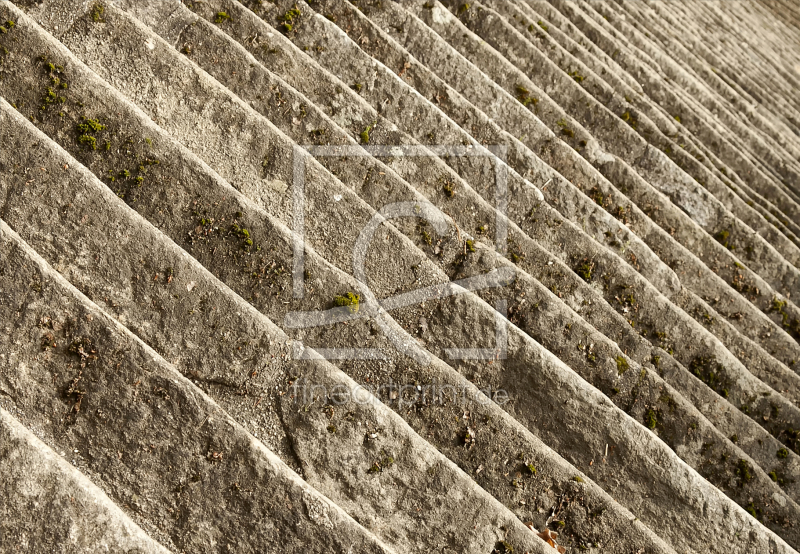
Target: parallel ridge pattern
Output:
[(163, 381)]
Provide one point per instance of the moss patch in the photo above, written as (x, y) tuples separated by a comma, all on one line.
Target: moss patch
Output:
[(349, 299), (565, 128), (622, 365), (98, 13), (584, 270), (710, 372), (289, 18), (525, 98), (630, 119), (650, 419), (743, 472)]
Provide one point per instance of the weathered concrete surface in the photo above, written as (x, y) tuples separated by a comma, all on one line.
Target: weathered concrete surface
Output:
[(279, 75), (46, 505)]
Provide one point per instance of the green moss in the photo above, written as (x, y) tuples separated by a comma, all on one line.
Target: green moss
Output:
[(710, 372), (221, 17), (753, 511), (349, 299), (243, 234), (385, 463), (289, 18), (565, 129), (585, 270), (98, 12), (531, 468), (463, 8), (722, 238), (544, 27), (782, 453), (577, 479), (576, 76), (331, 429), (470, 245), (743, 472), (524, 97), (88, 140), (791, 324), (449, 189), (650, 419), (427, 237), (735, 438), (791, 438), (773, 476), (622, 365), (90, 125), (358, 87), (678, 118), (630, 119), (365, 133)]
